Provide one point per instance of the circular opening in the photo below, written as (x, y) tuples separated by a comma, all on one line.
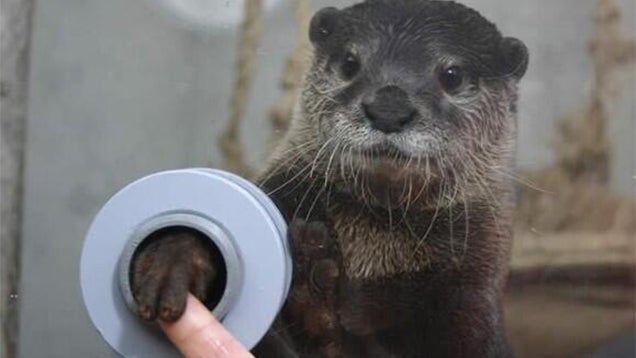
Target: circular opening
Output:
[(216, 290)]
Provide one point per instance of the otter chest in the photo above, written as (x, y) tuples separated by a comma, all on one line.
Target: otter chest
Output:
[(372, 250)]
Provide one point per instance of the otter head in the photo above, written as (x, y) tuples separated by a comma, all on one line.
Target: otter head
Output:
[(410, 100)]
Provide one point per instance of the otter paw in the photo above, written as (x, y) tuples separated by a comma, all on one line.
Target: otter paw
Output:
[(174, 262), (316, 256), (317, 271)]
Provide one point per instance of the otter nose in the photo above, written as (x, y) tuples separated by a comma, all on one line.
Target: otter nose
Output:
[(390, 110)]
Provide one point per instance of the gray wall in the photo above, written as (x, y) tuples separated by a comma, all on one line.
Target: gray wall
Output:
[(120, 89), (15, 31)]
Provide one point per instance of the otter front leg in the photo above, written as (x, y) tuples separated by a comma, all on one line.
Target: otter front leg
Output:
[(174, 262), (313, 299)]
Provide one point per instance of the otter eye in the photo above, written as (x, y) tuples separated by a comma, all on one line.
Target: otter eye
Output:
[(451, 78), (350, 66)]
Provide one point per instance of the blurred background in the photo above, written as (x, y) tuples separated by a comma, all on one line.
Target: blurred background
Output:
[(96, 94)]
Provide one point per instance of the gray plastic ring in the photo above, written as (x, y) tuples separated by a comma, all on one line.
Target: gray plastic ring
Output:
[(237, 217)]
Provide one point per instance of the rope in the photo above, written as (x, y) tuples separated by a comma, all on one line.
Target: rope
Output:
[(250, 36), (281, 113), (583, 145)]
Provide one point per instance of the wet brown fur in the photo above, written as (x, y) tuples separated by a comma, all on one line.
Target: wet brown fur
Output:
[(424, 242), (396, 255)]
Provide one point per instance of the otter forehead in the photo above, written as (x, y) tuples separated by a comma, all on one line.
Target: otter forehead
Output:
[(412, 35)]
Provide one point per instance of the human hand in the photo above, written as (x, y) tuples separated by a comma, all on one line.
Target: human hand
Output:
[(197, 334)]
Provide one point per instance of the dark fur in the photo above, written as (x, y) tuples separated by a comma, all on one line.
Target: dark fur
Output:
[(401, 238)]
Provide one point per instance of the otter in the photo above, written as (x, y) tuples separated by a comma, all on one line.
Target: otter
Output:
[(393, 179)]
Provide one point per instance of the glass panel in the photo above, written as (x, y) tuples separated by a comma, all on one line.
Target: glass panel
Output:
[(393, 161)]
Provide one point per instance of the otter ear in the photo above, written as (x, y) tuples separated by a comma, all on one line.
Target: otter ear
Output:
[(323, 24), (515, 57)]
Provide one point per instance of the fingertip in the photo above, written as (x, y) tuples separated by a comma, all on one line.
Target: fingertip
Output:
[(198, 334)]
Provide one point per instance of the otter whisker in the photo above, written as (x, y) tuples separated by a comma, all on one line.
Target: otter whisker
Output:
[(297, 153), (341, 160), (422, 240), (327, 184), (313, 204), (304, 197), (494, 202), (466, 228), (309, 165), (290, 163), (525, 182), (315, 161), (289, 181), (390, 214), (450, 232), (321, 91), (333, 153), (409, 198)]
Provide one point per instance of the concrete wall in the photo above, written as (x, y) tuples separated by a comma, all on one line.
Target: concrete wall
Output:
[(120, 89), (15, 30)]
